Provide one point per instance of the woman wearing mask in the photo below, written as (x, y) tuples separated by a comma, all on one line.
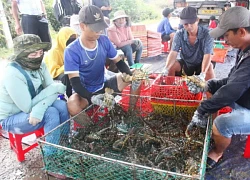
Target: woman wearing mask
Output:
[(55, 57), (120, 34), (34, 104)]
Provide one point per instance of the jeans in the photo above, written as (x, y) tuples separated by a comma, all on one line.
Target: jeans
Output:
[(56, 114), (128, 50), (236, 122)]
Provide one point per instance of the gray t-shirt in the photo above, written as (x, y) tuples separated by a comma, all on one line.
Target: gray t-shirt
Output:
[(193, 55)]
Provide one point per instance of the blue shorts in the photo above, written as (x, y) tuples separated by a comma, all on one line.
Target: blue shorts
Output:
[(236, 122)]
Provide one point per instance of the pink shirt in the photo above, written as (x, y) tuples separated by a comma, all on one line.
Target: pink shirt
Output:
[(120, 36)]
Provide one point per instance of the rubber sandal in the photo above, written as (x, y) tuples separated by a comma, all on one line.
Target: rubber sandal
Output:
[(211, 163)]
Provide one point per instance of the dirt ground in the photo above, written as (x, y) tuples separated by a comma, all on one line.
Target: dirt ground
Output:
[(31, 168)]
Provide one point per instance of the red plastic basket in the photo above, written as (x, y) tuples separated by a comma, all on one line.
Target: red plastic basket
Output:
[(219, 55), (143, 102), (225, 110), (95, 113), (172, 87)]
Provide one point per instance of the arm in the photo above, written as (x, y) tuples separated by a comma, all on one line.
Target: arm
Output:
[(78, 87), (168, 28), (43, 8), (208, 51), (176, 45), (14, 9), (39, 109), (112, 34), (71, 64), (206, 63), (171, 59), (237, 84), (215, 84)]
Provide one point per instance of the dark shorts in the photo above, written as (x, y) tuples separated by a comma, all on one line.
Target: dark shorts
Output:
[(165, 37), (110, 83), (189, 71)]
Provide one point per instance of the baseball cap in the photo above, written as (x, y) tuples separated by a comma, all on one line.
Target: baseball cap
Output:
[(227, 4), (28, 43), (188, 15), (93, 17), (166, 12), (235, 17)]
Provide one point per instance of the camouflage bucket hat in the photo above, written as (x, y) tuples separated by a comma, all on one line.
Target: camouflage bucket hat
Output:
[(28, 43)]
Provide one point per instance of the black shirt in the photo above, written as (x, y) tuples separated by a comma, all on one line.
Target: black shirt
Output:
[(100, 3), (233, 89)]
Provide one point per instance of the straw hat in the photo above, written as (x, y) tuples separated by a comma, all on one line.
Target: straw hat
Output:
[(120, 14)]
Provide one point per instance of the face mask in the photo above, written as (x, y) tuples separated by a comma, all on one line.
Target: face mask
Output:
[(70, 40), (120, 25), (30, 63)]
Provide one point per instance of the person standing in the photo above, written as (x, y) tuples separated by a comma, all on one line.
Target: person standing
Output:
[(64, 9), (33, 18), (104, 5)]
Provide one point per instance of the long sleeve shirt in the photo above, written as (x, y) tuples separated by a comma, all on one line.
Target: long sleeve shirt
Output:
[(233, 89), (15, 96), (165, 27)]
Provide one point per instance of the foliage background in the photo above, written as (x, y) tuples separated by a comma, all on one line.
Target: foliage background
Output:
[(138, 10)]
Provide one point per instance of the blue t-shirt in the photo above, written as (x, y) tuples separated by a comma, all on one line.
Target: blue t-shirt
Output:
[(89, 63), (165, 27), (193, 54)]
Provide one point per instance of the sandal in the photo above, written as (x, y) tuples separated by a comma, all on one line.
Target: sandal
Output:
[(212, 163)]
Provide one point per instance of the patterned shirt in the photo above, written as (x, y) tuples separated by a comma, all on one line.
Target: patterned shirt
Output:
[(193, 54)]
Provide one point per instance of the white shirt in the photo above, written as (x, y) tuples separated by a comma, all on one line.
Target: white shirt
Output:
[(30, 7)]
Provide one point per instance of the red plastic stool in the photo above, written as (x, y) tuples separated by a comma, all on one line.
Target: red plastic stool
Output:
[(247, 148), (165, 47), (16, 143)]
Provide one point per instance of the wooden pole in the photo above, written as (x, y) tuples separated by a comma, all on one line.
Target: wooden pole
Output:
[(5, 25)]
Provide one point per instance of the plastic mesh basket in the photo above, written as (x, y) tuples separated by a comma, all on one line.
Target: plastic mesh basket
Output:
[(143, 102), (74, 157), (170, 95)]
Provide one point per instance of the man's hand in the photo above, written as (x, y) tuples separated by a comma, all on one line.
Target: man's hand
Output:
[(102, 102), (34, 121), (127, 78), (196, 83), (198, 120), (18, 29), (135, 85), (165, 71)]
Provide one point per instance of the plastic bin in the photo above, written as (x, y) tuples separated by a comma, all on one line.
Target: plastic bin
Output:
[(170, 95), (219, 55)]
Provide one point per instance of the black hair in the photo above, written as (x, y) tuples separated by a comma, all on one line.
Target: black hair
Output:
[(212, 18), (227, 4), (166, 12), (236, 29)]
